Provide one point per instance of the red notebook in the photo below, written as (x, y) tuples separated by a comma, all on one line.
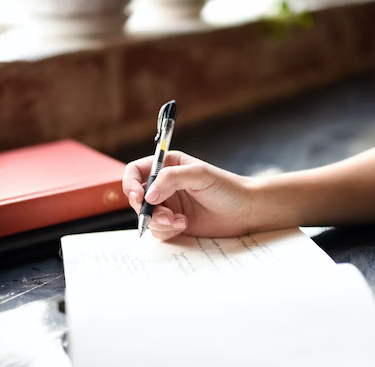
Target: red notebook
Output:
[(55, 183)]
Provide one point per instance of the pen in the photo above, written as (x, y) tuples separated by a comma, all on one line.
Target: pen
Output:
[(166, 120)]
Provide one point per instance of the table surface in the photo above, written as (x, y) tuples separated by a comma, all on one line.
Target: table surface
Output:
[(323, 126)]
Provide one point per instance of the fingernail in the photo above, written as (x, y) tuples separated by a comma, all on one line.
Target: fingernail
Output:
[(133, 195), (152, 193), (163, 219), (179, 223)]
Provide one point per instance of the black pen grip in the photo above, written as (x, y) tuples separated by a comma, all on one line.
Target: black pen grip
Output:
[(147, 208)]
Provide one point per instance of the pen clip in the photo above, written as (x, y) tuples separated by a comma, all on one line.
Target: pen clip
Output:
[(159, 124)]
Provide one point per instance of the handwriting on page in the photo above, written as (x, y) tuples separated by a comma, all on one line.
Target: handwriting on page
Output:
[(184, 255), (221, 255)]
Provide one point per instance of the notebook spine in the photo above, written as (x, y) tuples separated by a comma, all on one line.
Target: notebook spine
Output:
[(61, 207)]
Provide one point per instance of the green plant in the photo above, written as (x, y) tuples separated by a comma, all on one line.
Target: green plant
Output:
[(285, 18)]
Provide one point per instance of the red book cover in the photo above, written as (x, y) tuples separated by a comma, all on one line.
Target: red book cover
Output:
[(54, 183)]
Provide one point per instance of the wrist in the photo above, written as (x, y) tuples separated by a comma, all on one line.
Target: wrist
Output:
[(275, 202)]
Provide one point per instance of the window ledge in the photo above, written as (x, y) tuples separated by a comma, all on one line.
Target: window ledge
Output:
[(107, 95)]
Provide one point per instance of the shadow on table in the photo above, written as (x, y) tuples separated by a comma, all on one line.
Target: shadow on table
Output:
[(354, 245)]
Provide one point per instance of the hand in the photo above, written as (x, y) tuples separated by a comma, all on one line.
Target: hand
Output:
[(199, 199), (191, 197)]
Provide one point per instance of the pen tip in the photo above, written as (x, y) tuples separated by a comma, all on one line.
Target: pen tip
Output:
[(141, 231)]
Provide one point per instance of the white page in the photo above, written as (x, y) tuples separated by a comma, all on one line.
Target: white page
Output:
[(130, 302), (122, 253), (324, 319)]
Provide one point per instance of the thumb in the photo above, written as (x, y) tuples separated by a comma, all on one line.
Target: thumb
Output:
[(197, 177)]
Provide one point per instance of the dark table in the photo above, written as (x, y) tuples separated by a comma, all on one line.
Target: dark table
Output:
[(323, 126)]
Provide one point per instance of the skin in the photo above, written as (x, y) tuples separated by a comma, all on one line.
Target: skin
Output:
[(197, 199)]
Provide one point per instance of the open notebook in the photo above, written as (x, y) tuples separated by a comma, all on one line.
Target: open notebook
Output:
[(270, 299)]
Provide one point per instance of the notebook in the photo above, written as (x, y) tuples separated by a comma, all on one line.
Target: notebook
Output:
[(56, 183), (269, 299)]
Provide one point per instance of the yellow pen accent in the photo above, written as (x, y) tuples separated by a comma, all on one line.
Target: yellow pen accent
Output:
[(163, 145)]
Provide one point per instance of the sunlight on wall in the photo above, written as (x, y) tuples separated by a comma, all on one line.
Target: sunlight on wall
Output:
[(11, 13), (21, 41), (232, 12), (216, 11), (224, 12)]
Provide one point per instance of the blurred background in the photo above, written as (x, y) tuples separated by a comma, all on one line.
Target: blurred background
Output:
[(262, 86)]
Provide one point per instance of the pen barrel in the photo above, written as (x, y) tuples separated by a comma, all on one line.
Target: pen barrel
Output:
[(147, 208), (162, 146)]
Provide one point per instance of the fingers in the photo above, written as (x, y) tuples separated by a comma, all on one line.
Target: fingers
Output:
[(196, 176), (137, 172), (164, 220), (169, 231), (161, 212), (165, 224)]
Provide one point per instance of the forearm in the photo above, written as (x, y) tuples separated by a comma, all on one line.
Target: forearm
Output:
[(337, 194)]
